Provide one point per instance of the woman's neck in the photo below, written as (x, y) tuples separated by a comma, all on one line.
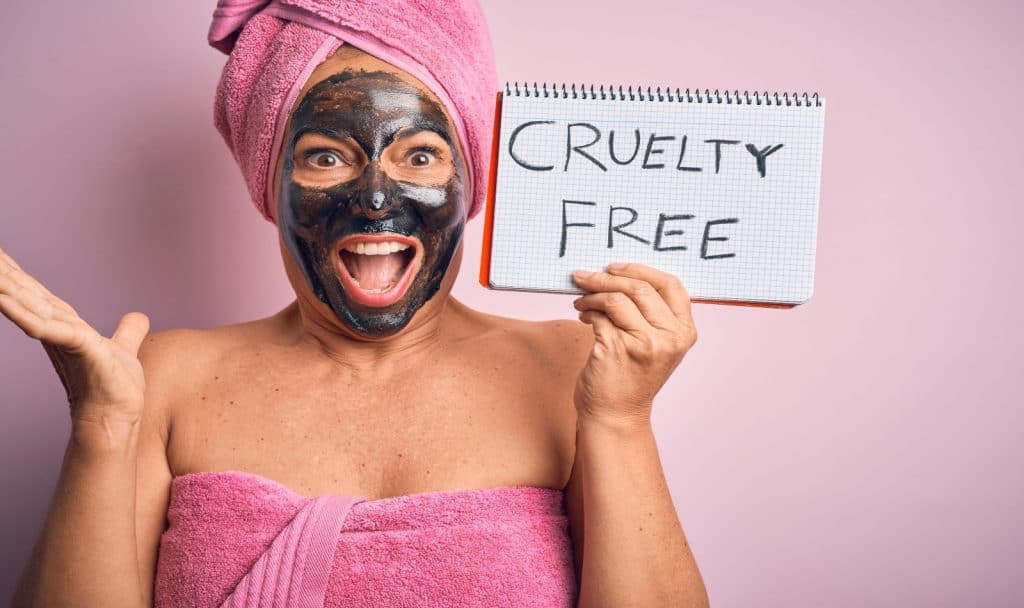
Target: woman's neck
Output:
[(417, 341)]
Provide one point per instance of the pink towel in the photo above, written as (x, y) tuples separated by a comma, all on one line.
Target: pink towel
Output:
[(239, 539), (274, 45)]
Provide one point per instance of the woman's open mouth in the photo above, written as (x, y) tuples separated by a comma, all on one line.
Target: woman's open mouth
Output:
[(377, 269)]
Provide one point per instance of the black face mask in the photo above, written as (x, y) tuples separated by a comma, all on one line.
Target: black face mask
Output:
[(371, 108)]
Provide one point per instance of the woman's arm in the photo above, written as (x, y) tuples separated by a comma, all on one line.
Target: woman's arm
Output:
[(635, 551), (86, 554), (99, 543), (89, 552)]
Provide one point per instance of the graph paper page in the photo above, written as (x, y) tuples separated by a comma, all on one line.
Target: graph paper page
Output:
[(724, 196)]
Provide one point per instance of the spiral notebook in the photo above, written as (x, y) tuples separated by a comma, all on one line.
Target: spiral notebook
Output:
[(719, 189)]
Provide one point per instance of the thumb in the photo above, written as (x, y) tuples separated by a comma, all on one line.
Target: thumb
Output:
[(131, 330)]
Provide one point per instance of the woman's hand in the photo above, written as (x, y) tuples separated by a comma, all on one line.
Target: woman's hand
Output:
[(642, 327), (103, 377)]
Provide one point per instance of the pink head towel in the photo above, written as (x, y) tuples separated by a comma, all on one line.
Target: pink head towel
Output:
[(274, 45)]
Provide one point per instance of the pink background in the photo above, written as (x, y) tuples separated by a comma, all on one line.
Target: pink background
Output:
[(861, 450)]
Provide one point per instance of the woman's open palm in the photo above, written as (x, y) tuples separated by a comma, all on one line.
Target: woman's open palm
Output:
[(102, 376)]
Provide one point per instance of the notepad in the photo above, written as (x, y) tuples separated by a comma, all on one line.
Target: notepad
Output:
[(719, 189)]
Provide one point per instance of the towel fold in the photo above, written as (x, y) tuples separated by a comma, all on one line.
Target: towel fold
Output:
[(274, 45), (237, 539)]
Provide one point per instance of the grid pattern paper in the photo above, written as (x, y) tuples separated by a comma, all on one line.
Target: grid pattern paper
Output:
[(773, 237)]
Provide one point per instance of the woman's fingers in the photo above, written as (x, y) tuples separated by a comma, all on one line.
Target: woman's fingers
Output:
[(24, 318), (604, 328), (12, 274), (613, 289), (35, 300), (54, 334), (131, 330), (23, 312), (668, 286), (36, 311), (616, 306), (6, 260)]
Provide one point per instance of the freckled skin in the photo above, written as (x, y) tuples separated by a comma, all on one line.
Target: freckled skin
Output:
[(371, 108)]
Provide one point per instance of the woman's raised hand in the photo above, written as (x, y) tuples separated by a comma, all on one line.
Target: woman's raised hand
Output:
[(102, 376), (643, 327)]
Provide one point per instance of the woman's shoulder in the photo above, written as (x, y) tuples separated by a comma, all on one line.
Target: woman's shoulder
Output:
[(172, 349), (553, 343), (197, 347), (178, 359)]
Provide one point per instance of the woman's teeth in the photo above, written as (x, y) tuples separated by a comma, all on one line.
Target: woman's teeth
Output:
[(383, 248), (375, 267)]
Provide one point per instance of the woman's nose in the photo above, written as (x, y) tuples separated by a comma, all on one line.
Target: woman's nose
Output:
[(375, 198), (377, 201)]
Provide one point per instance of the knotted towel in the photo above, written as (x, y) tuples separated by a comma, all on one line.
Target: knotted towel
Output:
[(274, 45)]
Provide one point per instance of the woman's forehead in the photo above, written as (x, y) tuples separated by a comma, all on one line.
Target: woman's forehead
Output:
[(362, 91), (348, 57)]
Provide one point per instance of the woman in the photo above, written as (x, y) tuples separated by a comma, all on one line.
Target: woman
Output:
[(376, 442)]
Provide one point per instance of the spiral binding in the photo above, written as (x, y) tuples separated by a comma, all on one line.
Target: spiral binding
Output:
[(621, 93)]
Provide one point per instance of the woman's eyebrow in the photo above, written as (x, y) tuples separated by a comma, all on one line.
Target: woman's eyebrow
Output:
[(320, 130), (406, 132)]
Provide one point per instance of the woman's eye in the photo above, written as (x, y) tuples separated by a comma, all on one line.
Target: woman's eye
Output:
[(421, 158), (325, 159)]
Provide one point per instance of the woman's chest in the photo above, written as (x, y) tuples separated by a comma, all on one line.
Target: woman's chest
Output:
[(454, 427)]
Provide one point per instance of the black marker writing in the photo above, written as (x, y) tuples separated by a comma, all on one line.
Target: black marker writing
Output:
[(582, 138), (682, 153), (760, 155), (565, 224), (611, 147), (618, 227), (704, 242), (718, 149), (620, 223), (512, 145), (569, 148), (650, 145), (662, 218)]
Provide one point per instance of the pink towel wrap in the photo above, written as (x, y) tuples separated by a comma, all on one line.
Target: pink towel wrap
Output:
[(241, 540), (274, 45)]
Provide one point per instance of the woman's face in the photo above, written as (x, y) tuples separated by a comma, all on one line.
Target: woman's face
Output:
[(371, 203)]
